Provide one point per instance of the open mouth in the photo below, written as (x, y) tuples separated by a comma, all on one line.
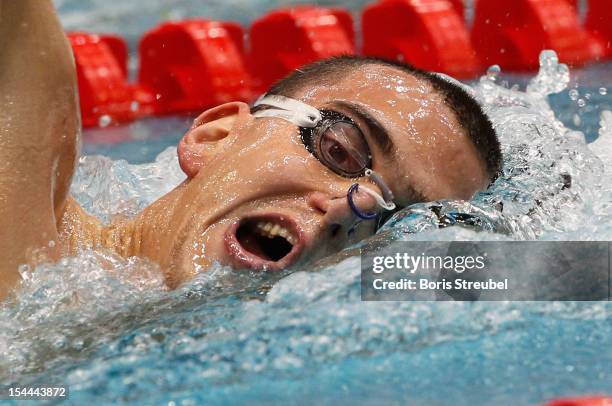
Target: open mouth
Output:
[(270, 242)]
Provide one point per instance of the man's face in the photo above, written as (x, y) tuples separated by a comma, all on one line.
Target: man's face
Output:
[(256, 198)]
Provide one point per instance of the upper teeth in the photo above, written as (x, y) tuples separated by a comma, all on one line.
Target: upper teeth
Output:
[(271, 230)]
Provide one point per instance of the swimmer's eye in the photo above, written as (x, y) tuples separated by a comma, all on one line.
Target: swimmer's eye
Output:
[(339, 144)]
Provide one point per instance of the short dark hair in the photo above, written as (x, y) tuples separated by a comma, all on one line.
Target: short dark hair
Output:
[(468, 112)]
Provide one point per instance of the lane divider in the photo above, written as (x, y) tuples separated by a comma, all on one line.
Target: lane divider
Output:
[(429, 34), (190, 65), (512, 34), (599, 23), (285, 39), (101, 65)]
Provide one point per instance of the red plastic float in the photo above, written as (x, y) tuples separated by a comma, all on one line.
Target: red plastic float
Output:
[(286, 39), (583, 401), (190, 65), (512, 34), (574, 3), (429, 34), (459, 7), (599, 22), (101, 64)]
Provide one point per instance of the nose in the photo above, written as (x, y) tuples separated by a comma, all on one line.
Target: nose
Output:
[(336, 210)]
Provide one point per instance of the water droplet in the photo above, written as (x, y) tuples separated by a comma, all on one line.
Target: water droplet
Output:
[(552, 76), (563, 69), (605, 123), (493, 72), (573, 94), (548, 58), (603, 91), (105, 120), (581, 103)]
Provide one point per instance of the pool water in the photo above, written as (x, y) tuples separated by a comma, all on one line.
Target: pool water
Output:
[(305, 336)]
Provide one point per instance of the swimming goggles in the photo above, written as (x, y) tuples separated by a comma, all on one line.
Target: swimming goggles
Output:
[(336, 141)]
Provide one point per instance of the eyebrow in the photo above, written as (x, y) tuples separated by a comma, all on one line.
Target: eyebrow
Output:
[(379, 133)]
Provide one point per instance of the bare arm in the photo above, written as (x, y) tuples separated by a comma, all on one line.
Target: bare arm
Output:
[(39, 131)]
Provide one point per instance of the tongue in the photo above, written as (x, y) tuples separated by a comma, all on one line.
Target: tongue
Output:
[(250, 243)]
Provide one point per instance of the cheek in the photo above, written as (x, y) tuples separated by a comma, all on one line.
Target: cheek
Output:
[(200, 251), (272, 161)]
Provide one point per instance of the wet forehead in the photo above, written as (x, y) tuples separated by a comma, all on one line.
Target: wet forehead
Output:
[(363, 82), (433, 154)]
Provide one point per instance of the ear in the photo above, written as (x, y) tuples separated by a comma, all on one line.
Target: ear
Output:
[(207, 136)]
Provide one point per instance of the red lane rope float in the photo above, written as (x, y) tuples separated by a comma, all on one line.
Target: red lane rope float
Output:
[(459, 7), (429, 34), (599, 22), (285, 39), (101, 65), (190, 65), (582, 401), (512, 34)]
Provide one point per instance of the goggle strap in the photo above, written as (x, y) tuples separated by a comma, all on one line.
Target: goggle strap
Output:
[(300, 114), (286, 115)]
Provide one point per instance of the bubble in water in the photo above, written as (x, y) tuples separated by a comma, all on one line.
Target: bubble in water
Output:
[(574, 94), (105, 120), (493, 72), (603, 91), (581, 102)]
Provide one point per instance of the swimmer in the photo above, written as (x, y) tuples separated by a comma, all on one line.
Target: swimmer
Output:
[(304, 172)]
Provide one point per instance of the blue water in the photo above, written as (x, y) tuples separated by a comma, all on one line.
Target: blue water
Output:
[(305, 336)]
